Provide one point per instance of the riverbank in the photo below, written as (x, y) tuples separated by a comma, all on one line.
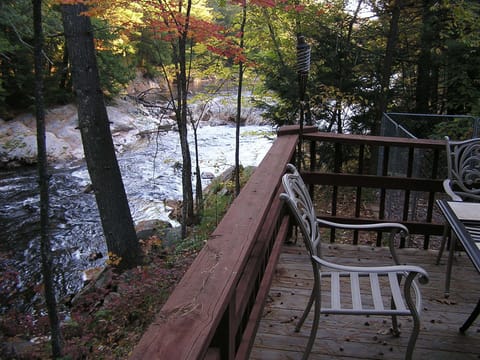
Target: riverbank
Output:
[(132, 123), (18, 142), (107, 320)]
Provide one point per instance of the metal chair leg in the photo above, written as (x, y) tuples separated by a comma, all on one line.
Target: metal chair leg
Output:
[(471, 318), (446, 234), (307, 310), (449, 266), (313, 331), (395, 329), (413, 336)]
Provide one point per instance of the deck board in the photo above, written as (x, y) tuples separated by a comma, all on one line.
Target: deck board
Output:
[(362, 337)]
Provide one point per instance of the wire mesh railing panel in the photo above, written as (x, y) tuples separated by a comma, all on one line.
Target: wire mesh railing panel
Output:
[(420, 163)]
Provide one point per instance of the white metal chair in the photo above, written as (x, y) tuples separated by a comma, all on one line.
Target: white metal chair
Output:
[(463, 171), (383, 290)]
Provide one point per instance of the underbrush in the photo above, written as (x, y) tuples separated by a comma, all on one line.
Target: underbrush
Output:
[(217, 199)]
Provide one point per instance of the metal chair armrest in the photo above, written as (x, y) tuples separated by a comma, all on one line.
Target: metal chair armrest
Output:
[(393, 228), (374, 226), (448, 189)]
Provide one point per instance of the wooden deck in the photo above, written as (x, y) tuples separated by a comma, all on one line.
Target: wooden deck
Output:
[(360, 337)]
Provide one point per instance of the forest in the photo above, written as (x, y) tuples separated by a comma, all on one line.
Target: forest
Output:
[(400, 56), (365, 58)]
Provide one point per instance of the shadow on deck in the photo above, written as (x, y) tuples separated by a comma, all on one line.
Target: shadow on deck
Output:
[(361, 337)]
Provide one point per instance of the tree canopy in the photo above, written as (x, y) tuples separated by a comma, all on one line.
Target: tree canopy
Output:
[(432, 63)]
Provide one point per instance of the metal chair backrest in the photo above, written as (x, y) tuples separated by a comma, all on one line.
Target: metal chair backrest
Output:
[(304, 211), (463, 160)]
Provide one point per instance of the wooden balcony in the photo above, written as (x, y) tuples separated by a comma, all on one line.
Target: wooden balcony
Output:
[(360, 337), (238, 301)]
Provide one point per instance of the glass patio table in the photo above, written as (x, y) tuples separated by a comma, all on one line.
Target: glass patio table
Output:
[(464, 220)]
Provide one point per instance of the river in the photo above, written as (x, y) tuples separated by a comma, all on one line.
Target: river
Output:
[(151, 176)]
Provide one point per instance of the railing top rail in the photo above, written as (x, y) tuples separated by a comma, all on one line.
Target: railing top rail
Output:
[(446, 116), (186, 324), (295, 130), (375, 140)]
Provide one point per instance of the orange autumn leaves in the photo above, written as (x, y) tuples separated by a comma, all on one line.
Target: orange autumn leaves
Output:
[(170, 20)]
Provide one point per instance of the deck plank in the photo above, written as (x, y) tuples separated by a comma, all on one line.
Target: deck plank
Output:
[(361, 337)]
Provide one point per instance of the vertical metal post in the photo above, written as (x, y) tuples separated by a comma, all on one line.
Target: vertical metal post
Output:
[(303, 67)]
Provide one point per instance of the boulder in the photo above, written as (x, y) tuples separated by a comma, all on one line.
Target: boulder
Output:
[(148, 228), (18, 139)]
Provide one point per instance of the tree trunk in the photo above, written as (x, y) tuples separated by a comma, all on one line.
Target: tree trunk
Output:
[(239, 101), (64, 71), (188, 215), (424, 65), (97, 140), (198, 188), (182, 118), (386, 73), (45, 245), (274, 38)]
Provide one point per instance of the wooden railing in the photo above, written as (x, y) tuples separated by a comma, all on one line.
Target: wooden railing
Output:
[(397, 177), (214, 311)]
